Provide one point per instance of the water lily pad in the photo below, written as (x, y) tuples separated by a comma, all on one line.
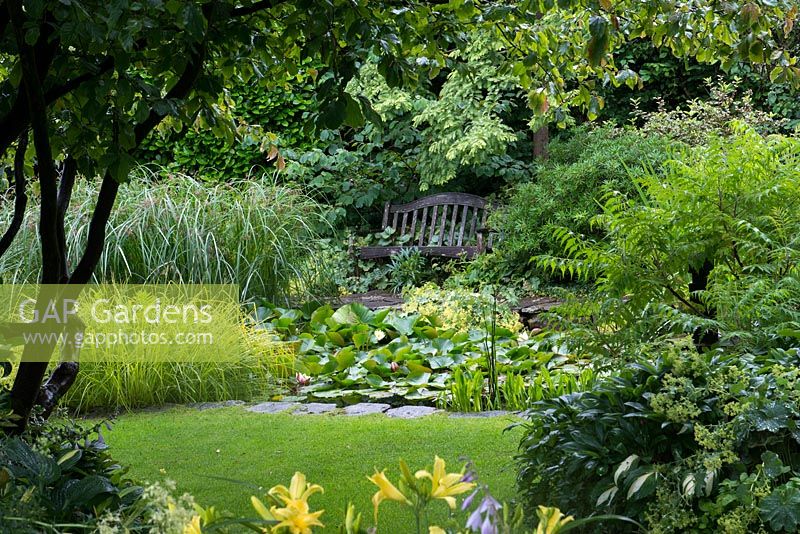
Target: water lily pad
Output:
[(418, 379), (440, 362), (375, 381)]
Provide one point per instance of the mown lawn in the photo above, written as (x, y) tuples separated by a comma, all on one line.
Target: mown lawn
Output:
[(222, 456)]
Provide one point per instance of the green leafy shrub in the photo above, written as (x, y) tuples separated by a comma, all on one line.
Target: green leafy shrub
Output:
[(566, 191), (699, 119), (256, 234), (681, 442), (710, 245), (668, 82), (406, 269), (59, 477), (264, 117)]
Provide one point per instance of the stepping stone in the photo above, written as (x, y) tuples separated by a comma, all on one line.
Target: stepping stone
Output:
[(489, 413), (212, 405), (314, 408), (366, 408), (411, 412), (272, 407)]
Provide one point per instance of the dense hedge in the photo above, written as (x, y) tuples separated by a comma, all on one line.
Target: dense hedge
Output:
[(258, 112)]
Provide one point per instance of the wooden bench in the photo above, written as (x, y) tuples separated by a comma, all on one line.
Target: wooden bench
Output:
[(447, 224)]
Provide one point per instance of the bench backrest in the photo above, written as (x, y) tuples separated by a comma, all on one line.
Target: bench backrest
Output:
[(444, 219)]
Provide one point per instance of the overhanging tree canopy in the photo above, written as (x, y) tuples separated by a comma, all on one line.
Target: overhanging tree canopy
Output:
[(90, 80)]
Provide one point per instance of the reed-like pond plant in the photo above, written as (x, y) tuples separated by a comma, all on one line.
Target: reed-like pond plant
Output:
[(253, 233)]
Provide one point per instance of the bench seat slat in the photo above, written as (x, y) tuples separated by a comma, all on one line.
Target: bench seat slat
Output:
[(473, 225), (367, 253), (462, 226), (453, 224), (433, 224), (421, 240), (444, 224)]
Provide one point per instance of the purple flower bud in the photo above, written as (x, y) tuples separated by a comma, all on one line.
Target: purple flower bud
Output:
[(469, 476), (468, 501)]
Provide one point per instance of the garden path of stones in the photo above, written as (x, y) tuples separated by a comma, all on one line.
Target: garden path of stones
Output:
[(318, 408)]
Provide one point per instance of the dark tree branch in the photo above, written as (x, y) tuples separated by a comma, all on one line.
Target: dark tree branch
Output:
[(96, 239), (108, 190), (17, 119), (180, 90), (20, 195), (68, 172), (54, 93)]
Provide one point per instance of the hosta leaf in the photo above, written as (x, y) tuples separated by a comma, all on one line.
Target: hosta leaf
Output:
[(607, 496), (82, 492), (626, 464), (24, 462), (640, 487), (688, 485)]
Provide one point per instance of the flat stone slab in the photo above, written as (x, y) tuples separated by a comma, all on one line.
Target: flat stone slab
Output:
[(273, 407), (411, 412), (212, 405), (314, 408), (490, 413), (366, 408)]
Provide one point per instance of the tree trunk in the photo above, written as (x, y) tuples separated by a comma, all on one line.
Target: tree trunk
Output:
[(35, 357), (702, 338), (54, 200), (541, 138)]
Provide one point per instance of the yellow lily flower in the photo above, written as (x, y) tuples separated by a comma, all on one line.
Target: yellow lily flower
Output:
[(444, 485), (295, 514), (296, 517), (193, 526), (436, 530), (386, 490), (298, 490), (551, 520)]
